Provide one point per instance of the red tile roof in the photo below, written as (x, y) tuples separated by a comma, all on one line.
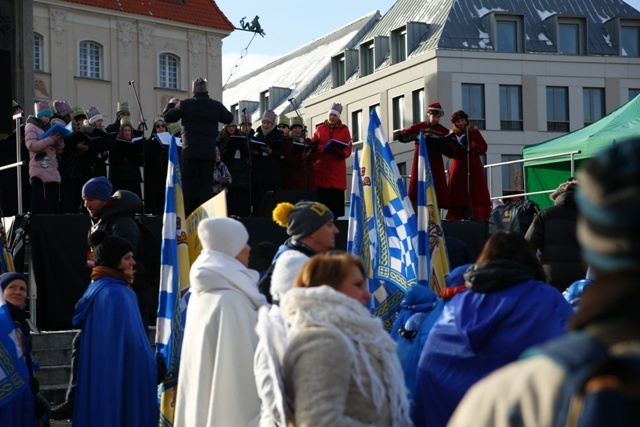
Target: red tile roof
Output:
[(203, 13)]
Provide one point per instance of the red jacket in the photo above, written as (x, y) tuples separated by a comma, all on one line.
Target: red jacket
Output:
[(331, 167), (458, 195)]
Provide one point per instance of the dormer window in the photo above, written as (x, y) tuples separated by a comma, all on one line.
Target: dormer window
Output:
[(399, 45), (569, 33), (366, 59), (569, 38), (343, 65), (506, 31), (630, 38)]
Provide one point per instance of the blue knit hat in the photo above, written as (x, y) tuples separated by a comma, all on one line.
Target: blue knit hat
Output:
[(609, 200), (98, 188), (7, 278)]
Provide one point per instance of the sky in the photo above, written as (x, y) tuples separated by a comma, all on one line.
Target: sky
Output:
[(288, 25)]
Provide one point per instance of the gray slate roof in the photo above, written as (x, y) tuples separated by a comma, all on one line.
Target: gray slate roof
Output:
[(301, 70), (452, 24)]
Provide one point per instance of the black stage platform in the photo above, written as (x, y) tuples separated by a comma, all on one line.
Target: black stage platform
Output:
[(58, 245)]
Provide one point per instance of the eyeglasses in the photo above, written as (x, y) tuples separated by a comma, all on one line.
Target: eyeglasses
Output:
[(158, 126), (283, 126)]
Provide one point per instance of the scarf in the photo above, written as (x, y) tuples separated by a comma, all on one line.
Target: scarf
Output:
[(496, 275), (101, 271), (364, 335)]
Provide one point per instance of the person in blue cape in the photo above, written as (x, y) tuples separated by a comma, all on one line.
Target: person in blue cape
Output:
[(506, 308), (117, 371), (421, 307), (20, 401)]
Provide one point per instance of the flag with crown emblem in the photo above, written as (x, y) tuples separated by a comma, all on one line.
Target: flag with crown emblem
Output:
[(386, 227)]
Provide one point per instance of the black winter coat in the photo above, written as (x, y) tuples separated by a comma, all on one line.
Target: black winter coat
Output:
[(553, 232), (200, 116), (268, 166)]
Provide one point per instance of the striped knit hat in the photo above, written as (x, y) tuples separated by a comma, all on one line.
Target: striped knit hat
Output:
[(609, 201)]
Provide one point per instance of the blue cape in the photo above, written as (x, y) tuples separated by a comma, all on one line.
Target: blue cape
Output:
[(477, 333), (117, 371)]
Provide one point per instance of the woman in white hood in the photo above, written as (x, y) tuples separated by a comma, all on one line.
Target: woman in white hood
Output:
[(217, 386)]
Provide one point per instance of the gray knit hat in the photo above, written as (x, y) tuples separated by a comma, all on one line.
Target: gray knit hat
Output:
[(609, 201), (269, 115), (303, 219)]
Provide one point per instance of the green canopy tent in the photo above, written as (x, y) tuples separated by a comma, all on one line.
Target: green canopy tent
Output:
[(546, 174)]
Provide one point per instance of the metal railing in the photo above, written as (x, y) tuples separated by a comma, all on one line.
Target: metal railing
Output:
[(19, 164), (572, 155)]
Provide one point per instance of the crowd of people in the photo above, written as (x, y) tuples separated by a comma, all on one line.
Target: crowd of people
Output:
[(248, 164), (295, 343)]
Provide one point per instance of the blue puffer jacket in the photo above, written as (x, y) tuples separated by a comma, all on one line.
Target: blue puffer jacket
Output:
[(504, 312)]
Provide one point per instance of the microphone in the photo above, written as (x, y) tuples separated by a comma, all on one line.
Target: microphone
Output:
[(244, 110), (291, 99), (131, 82)]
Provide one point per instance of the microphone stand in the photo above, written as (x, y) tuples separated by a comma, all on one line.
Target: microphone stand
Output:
[(143, 122), (304, 142), (250, 164), (469, 215)]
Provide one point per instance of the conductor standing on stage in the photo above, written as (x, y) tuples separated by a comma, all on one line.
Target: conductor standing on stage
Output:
[(200, 116)]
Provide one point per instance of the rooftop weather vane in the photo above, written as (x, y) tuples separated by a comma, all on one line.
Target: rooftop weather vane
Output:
[(253, 26)]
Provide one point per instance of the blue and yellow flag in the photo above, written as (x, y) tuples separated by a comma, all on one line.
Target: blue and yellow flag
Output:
[(14, 375), (433, 261), (387, 225), (6, 260), (174, 285)]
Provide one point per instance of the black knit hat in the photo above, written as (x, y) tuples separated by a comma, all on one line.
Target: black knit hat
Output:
[(108, 250), (303, 219)]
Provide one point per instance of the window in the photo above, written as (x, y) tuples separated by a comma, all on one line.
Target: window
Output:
[(473, 104), (557, 109), (592, 104), (90, 60), (630, 41), (338, 66), (264, 102), (367, 66), (633, 93), (402, 168), (356, 125), (512, 175), (417, 98), (568, 40), (38, 54), (510, 108), (398, 112), (374, 107), (399, 45), (169, 66), (507, 32)]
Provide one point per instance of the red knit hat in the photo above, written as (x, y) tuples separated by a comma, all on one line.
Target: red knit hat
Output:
[(436, 107), (460, 114)]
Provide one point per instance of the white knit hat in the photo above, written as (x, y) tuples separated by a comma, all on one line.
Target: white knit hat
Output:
[(225, 235)]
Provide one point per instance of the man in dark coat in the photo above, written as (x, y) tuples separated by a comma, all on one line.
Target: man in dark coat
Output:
[(553, 233), (115, 215), (200, 116)]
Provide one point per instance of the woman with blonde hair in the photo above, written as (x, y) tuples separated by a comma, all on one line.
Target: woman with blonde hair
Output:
[(340, 366)]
